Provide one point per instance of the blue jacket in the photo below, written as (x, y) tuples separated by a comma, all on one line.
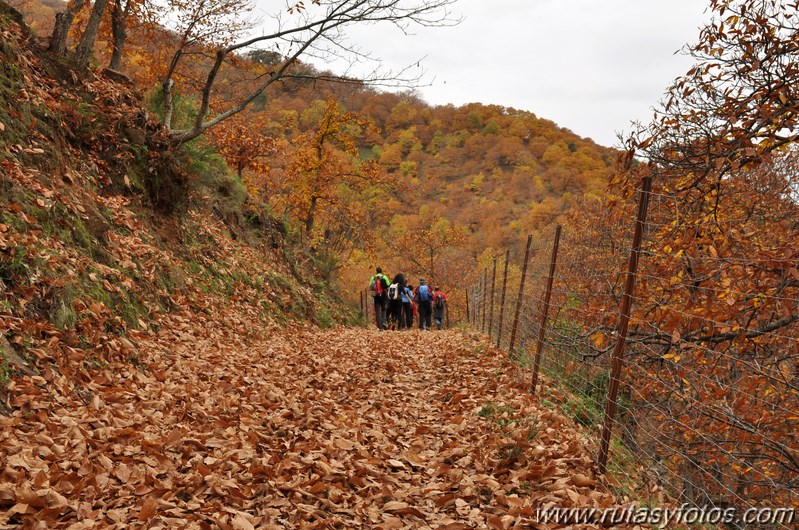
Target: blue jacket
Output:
[(407, 296), (429, 294)]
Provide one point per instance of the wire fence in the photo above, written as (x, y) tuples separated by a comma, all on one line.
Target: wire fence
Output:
[(702, 405)]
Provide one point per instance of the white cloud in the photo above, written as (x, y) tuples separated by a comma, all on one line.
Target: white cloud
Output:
[(591, 66)]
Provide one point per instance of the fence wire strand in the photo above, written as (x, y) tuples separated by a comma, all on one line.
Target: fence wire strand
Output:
[(709, 406)]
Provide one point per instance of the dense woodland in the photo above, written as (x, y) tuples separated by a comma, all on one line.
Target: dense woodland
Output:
[(361, 177)]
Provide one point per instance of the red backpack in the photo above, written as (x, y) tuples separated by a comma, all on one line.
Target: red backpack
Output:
[(380, 285)]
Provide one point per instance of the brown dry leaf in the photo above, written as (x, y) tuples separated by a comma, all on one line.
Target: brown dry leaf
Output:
[(241, 523), (347, 445), (394, 505), (581, 481), (148, 509), (122, 472), (305, 425)]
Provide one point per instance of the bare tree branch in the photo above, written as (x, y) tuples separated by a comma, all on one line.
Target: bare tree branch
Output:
[(317, 34)]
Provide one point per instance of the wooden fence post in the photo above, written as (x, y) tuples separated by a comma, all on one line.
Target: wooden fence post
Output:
[(502, 304), (521, 293), (623, 322), (545, 311)]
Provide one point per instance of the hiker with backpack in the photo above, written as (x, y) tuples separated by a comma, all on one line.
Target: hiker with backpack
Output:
[(439, 307), (378, 285), (407, 306), (424, 298), (395, 292)]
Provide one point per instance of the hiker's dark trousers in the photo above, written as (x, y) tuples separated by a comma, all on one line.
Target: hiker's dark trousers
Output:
[(425, 315), (381, 308)]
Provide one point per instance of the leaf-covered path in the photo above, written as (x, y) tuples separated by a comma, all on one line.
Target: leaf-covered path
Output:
[(312, 429)]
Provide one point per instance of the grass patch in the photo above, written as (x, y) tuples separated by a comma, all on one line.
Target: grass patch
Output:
[(323, 318), (5, 372), (548, 404), (501, 415), (290, 299), (64, 317), (487, 411), (623, 467), (14, 265), (522, 358), (584, 412)]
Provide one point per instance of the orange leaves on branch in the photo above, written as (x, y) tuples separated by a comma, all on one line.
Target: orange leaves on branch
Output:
[(433, 246), (246, 147), (326, 174)]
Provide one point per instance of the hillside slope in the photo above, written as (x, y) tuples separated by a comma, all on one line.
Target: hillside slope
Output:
[(103, 232), (482, 177)]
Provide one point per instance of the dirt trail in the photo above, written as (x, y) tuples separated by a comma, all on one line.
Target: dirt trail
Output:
[(313, 429)]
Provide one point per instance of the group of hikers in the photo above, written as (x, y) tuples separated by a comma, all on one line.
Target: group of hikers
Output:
[(397, 303)]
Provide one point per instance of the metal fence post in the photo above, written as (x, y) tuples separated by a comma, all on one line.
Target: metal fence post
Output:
[(468, 314), (476, 306), (521, 292), (502, 304), (621, 328), (543, 327), (493, 290), (483, 298)]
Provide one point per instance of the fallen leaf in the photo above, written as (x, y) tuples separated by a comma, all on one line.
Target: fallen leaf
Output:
[(148, 509)]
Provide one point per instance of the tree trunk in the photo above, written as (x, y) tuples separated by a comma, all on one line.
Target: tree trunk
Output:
[(63, 22), (309, 221), (119, 33), (84, 49), (166, 91)]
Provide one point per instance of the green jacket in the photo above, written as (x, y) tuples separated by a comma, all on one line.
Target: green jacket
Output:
[(374, 280)]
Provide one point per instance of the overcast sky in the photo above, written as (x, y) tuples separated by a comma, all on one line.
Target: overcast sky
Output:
[(592, 66)]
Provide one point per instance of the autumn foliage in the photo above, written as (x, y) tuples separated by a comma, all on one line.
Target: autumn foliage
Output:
[(357, 177), (479, 177), (710, 382)]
